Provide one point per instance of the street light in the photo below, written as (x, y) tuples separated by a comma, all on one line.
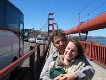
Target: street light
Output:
[(56, 25)]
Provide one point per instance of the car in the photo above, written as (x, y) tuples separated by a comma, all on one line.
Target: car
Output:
[(26, 39), (30, 40), (40, 40)]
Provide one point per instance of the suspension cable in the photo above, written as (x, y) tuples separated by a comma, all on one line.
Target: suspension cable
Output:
[(90, 12), (80, 11)]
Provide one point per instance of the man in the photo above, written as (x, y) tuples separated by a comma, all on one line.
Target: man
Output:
[(60, 41)]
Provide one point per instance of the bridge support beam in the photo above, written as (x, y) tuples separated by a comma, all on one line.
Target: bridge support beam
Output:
[(99, 22), (50, 23)]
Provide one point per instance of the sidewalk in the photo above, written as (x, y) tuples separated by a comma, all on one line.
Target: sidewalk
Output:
[(100, 71)]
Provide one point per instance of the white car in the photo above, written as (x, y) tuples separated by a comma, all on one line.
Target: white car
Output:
[(40, 40), (30, 40)]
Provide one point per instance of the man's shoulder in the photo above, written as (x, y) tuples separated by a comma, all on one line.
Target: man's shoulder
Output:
[(80, 60), (84, 58), (53, 55)]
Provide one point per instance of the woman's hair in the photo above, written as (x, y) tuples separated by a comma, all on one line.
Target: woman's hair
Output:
[(78, 45), (58, 32)]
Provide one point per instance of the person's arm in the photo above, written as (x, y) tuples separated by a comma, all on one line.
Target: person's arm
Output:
[(45, 71), (68, 76), (87, 72)]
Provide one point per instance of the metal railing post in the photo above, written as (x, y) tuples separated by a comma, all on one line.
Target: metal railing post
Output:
[(91, 52), (32, 64), (38, 55), (44, 49)]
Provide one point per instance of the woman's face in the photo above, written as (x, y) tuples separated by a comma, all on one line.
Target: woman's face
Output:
[(70, 51)]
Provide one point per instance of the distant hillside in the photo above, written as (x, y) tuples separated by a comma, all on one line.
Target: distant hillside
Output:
[(89, 37), (96, 37), (35, 33)]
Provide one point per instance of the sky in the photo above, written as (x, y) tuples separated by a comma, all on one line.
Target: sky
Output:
[(65, 12)]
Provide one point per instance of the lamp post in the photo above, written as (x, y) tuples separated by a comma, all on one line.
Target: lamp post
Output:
[(56, 25)]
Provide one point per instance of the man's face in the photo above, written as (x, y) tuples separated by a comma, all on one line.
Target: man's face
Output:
[(60, 43)]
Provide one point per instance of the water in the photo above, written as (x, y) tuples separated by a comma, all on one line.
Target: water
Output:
[(101, 41)]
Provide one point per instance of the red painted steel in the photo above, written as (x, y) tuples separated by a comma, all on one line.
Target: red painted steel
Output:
[(13, 65), (10, 67), (99, 22), (94, 51), (50, 23)]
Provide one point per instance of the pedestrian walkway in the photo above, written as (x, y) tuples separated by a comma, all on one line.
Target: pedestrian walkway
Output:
[(100, 71)]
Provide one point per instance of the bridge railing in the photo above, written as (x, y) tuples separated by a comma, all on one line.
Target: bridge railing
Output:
[(94, 51), (31, 54)]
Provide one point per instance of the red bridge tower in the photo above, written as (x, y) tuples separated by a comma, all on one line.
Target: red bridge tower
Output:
[(50, 23)]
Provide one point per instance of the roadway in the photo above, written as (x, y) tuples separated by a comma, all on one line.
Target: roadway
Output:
[(24, 71), (27, 49)]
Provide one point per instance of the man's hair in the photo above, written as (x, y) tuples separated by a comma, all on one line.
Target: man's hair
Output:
[(58, 32)]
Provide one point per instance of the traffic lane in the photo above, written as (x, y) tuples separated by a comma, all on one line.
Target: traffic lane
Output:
[(27, 49)]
